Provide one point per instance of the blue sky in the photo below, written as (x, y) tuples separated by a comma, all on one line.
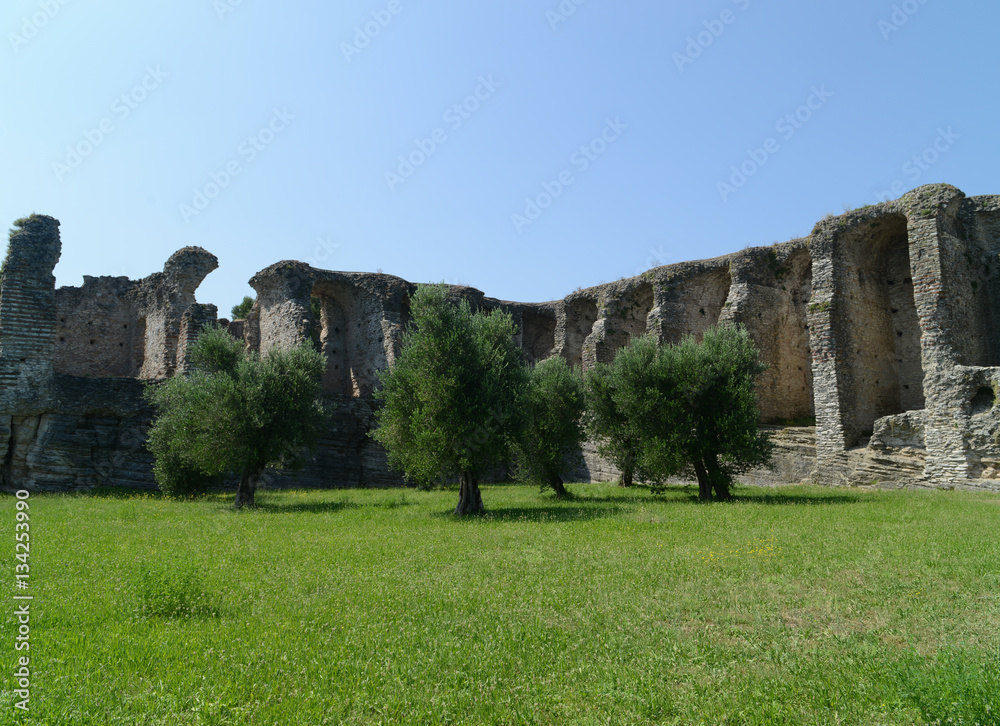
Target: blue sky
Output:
[(525, 148)]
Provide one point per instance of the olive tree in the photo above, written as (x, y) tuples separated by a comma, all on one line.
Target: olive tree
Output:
[(450, 405), (553, 406), (694, 405), (606, 422), (235, 413)]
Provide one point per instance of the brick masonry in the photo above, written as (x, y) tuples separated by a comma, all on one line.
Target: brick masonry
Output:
[(879, 325)]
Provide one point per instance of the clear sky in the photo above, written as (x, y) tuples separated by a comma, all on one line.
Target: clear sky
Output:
[(525, 148)]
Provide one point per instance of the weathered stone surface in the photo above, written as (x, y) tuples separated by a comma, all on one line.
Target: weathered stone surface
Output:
[(881, 325), (902, 431)]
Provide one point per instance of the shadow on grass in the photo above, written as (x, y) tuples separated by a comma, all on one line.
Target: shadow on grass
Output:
[(747, 495), (572, 510), (304, 507), (286, 507), (120, 493)]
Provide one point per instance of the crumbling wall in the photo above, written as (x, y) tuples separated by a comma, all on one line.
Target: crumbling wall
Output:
[(93, 435), (99, 333), (194, 319), (970, 271), (625, 311), (881, 324), (882, 363), (575, 318), (691, 297), (352, 338), (770, 291), (72, 412), (360, 324), (161, 300), (931, 418), (982, 220), (538, 333), (27, 310)]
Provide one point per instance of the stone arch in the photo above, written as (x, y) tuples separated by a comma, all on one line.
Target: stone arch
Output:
[(350, 338), (581, 314), (774, 312), (693, 304), (538, 335), (633, 311), (881, 369)]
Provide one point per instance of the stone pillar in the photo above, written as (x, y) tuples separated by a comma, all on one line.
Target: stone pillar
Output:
[(27, 306), (283, 310)]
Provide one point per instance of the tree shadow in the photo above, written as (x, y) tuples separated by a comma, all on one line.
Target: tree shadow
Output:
[(305, 507), (118, 493), (785, 499), (569, 511), (688, 494)]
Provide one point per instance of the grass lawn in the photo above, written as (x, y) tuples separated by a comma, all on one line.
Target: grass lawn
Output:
[(797, 605)]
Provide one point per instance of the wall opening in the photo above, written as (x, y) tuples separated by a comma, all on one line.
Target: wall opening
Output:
[(538, 335), (970, 276), (633, 312), (692, 305), (334, 345), (781, 331), (884, 374), (350, 338), (983, 401), (581, 314)]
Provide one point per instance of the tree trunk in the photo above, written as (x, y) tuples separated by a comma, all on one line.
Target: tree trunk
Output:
[(248, 486), (556, 483), (626, 477), (719, 478), (704, 483), (470, 501)]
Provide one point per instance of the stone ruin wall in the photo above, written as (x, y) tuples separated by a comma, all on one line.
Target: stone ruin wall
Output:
[(72, 412), (879, 327)]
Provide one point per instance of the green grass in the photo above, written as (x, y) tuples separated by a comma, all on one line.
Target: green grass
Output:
[(797, 605)]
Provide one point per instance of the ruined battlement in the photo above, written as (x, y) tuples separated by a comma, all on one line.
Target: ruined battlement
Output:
[(879, 326)]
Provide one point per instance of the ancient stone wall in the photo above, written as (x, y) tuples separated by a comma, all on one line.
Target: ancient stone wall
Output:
[(72, 412), (27, 304), (575, 319), (161, 301), (881, 325), (769, 296), (98, 331)]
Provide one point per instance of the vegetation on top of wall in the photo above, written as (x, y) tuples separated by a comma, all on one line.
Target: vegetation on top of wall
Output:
[(240, 311), (775, 266), (19, 224)]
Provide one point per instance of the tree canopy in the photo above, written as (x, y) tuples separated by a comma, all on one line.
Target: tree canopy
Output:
[(690, 405), (553, 405), (451, 403), (240, 311), (235, 413), (606, 421)]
